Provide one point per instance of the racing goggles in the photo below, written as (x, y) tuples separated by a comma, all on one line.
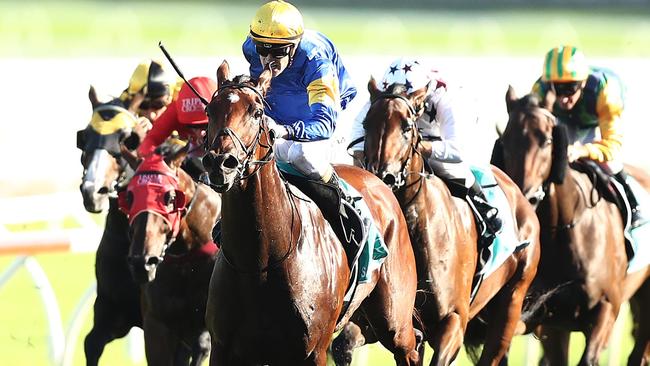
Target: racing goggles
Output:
[(566, 89), (276, 51)]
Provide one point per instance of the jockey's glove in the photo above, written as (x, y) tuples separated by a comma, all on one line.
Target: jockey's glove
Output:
[(278, 131)]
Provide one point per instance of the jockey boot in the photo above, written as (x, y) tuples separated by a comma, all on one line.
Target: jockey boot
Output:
[(488, 213), (636, 218), (353, 226)]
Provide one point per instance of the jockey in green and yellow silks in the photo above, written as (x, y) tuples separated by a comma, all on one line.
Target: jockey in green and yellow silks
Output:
[(590, 103)]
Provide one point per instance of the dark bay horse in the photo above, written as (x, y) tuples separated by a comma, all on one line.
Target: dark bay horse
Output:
[(444, 234), (581, 236), (279, 281), (172, 254), (117, 306)]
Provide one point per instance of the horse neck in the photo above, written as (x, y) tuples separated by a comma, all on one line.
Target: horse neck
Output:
[(563, 201), (196, 225), (257, 220), (414, 183)]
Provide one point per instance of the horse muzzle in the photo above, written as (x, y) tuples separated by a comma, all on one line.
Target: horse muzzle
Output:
[(143, 268), (393, 180), (94, 200), (223, 170)]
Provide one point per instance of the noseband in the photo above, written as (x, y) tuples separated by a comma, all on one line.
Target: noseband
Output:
[(248, 151), (399, 179)]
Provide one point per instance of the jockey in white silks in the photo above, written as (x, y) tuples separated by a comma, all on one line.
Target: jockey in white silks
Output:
[(441, 125)]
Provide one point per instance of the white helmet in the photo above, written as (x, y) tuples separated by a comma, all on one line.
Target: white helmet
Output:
[(407, 71)]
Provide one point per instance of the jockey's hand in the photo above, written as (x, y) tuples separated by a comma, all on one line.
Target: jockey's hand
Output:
[(576, 151), (277, 131), (142, 126)]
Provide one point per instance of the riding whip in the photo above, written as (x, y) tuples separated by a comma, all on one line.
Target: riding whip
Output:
[(180, 73)]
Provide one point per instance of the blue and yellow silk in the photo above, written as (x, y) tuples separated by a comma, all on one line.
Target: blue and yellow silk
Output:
[(309, 94)]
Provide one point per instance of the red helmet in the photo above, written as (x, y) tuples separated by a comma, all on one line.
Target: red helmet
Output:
[(189, 108)]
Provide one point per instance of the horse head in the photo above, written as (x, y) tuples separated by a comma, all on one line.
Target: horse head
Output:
[(391, 134), (238, 138), (533, 147), (155, 201), (110, 125)]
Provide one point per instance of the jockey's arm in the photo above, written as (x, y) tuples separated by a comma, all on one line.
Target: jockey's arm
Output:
[(323, 94), (448, 148), (162, 128), (609, 107)]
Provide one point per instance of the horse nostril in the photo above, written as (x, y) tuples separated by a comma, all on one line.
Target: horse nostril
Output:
[(153, 261), (208, 159), (230, 162), (389, 179), (103, 190)]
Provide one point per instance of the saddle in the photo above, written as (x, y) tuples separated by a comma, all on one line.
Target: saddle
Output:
[(605, 185)]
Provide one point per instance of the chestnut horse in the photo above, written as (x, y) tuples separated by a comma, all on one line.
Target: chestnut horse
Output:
[(444, 234), (581, 236), (117, 306), (279, 281), (166, 206)]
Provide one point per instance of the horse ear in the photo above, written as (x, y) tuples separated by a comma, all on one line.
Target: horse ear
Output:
[(373, 89), (560, 159), (511, 98), (264, 81), (92, 95), (549, 100), (417, 98), (223, 73)]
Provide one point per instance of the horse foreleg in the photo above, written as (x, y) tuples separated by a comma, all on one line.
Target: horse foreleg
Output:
[(108, 324), (344, 344), (160, 345), (639, 304), (448, 339), (555, 343), (200, 349), (501, 327), (598, 336)]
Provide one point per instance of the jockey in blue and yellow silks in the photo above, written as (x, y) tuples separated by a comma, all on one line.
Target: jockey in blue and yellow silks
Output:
[(309, 87), (590, 102)]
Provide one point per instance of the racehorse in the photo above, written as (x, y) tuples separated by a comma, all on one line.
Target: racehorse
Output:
[(117, 306), (279, 282), (444, 235), (166, 206), (582, 238)]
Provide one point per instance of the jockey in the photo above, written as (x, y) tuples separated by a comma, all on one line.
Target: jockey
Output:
[(186, 115), (310, 86), (441, 123), (590, 104), (152, 87)]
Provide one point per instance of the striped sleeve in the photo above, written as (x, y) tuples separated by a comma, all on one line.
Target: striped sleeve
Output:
[(609, 107)]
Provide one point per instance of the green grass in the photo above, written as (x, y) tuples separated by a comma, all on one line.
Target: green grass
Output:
[(23, 334), (90, 29)]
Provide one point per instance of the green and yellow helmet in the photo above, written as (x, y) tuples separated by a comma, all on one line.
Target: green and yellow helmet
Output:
[(565, 64), (149, 78), (277, 22)]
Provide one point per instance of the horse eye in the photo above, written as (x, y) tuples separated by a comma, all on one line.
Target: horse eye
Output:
[(407, 126), (169, 198), (258, 114), (547, 142)]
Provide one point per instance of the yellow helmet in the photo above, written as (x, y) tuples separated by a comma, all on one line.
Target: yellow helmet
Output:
[(150, 78), (565, 64), (277, 22)]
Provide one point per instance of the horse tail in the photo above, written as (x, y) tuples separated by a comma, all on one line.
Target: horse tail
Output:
[(534, 309)]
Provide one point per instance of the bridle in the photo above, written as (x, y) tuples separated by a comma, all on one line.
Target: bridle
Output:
[(397, 180), (244, 172), (248, 152)]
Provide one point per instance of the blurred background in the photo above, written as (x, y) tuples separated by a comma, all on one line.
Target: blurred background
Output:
[(52, 51)]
